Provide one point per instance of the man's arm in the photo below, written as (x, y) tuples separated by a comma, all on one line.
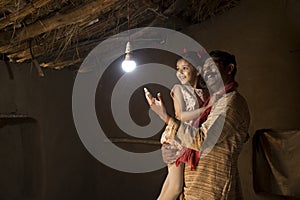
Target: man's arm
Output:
[(229, 118), (215, 127), (193, 138), (184, 134)]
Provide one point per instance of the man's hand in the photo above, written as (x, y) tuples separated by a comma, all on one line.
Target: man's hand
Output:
[(157, 105)]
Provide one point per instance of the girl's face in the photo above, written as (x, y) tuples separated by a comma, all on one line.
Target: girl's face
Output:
[(186, 73)]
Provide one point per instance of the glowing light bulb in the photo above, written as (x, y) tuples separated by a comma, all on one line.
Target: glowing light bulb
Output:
[(128, 65)]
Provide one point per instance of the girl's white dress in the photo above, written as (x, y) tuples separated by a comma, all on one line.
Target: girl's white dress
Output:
[(193, 99)]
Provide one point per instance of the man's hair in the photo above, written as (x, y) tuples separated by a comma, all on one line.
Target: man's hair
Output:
[(224, 59)]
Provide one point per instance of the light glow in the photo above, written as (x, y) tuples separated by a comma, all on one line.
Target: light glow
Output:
[(128, 65)]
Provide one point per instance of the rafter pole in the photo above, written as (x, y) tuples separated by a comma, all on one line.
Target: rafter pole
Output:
[(4, 2), (29, 8), (88, 11)]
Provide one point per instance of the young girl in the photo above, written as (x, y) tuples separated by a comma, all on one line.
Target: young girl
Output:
[(187, 98)]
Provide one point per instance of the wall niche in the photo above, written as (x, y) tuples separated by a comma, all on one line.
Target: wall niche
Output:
[(20, 158)]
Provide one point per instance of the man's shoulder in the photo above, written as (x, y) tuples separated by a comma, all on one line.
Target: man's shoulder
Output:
[(238, 104), (235, 97), (232, 98)]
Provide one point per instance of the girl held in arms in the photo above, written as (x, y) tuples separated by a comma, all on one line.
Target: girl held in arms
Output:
[(190, 102)]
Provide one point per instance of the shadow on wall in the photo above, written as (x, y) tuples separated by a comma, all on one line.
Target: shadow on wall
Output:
[(20, 158)]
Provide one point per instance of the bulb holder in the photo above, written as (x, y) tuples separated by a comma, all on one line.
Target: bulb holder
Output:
[(128, 56), (128, 47)]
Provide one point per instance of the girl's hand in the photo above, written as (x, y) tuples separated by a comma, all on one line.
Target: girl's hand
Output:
[(157, 105)]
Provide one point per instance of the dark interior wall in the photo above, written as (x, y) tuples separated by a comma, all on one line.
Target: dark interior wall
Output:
[(20, 159), (64, 168), (264, 37), (63, 164)]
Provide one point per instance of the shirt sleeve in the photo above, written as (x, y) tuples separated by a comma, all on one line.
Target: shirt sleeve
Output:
[(225, 120), (194, 138)]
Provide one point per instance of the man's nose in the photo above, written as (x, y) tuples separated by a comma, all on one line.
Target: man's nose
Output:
[(207, 68)]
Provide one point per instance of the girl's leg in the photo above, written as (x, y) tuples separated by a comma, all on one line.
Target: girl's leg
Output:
[(164, 187), (173, 184)]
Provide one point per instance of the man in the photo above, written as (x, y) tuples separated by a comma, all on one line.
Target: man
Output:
[(219, 138)]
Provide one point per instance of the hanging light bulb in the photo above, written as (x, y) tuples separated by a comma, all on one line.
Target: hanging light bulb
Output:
[(128, 65)]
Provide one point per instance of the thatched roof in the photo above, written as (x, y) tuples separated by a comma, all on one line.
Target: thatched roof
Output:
[(60, 33)]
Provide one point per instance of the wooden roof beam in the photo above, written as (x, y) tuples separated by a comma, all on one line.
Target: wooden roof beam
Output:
[(107, 28), (29, 8), (61, 63), (4, 2), (88, 11)]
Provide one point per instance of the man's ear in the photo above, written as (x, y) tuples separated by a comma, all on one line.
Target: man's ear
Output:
[(230, 68)]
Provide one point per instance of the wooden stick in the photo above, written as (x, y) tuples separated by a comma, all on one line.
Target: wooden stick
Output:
[(61, 63), (13, 116), (9, 70), (21, 52), (136, 141), (29, 8), (88, 11), (4, 2), (104, 26)]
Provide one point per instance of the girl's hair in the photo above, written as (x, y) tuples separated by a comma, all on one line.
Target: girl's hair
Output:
[(196, 59), (224, 59)]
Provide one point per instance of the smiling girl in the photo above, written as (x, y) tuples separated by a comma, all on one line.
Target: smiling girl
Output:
[(188, 98)]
